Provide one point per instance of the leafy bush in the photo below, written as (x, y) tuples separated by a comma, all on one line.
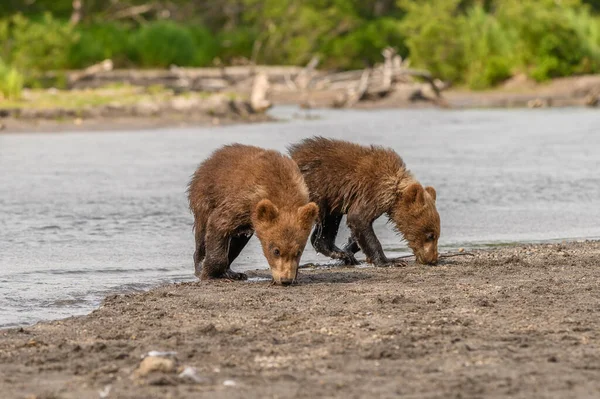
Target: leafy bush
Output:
[(40, 45), (488, 49), (291, 32), (163, 43), (206, 45), (11, 82), (236, 43), (432, 37), (551, 42), (98, 42), (363, 45)]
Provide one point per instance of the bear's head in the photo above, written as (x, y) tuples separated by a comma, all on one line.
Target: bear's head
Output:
[(417, 218), (283, 236)]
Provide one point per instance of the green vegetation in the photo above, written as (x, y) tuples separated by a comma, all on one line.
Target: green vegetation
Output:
[(81, 99), (477, 43), (11, 82)]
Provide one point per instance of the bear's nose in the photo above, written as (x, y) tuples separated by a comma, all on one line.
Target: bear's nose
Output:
[(432, 260), (286, 281)]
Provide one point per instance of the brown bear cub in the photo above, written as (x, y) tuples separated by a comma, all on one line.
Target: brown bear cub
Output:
[(364, 183), (240, 190)]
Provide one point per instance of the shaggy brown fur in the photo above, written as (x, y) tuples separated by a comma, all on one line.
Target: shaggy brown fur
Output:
[(240, 190), (364, 183)]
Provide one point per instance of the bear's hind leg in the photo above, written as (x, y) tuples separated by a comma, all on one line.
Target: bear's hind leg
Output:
[(323, 239), (363, 234), (351, 246)]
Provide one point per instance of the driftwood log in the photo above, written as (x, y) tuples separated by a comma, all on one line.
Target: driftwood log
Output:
[(299, 84)]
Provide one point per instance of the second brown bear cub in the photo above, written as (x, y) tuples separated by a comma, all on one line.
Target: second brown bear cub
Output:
[(243, 189), (365, 183)]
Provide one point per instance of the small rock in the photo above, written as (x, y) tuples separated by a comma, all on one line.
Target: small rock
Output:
[(147, 108), (553, 359), (154, 363), (105, 392), (191, 375), (229, 383), (78, 121), (461, 250), (159, 354), (184, 104)]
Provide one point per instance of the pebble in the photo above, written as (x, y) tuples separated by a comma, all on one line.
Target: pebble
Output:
[(159, 354), (229, 383), (191, 374), (105, 392), (154, 363)]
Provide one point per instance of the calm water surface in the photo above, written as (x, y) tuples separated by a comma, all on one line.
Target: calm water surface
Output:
[(87, 214)]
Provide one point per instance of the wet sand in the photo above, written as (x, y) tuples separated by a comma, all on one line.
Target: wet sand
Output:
[(519, 321)]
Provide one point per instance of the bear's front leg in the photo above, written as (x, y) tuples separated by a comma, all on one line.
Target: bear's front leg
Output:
[(364, 235), (216, 262)]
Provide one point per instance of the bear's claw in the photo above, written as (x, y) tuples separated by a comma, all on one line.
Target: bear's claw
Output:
[(231, 275)]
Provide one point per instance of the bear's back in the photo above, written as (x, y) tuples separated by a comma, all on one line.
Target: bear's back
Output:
[(340, 173), (240, 175)]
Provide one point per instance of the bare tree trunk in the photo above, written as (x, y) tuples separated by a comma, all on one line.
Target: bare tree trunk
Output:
[(77, 13)]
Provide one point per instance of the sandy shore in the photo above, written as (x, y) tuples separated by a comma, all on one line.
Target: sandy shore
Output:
[(518, 321), (14, 125)]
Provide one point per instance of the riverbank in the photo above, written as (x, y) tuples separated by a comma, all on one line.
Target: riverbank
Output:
[(120, 106), (518, 321)]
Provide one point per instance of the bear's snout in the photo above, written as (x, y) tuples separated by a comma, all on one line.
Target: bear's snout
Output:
[(428, 258)]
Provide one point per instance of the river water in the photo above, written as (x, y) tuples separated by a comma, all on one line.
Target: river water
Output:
[(86, 214)]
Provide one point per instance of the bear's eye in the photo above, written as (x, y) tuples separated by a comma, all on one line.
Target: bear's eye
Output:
[(299, 254), (430, 236), (276, 252)]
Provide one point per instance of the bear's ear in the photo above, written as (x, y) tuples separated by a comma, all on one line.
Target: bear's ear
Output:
[(431, 192), (307, 215), (265, 211), (413, 194)]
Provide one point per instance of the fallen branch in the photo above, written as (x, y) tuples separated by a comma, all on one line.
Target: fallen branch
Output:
[(354, 95), (450, 255), (91, 71), (446, 255)]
